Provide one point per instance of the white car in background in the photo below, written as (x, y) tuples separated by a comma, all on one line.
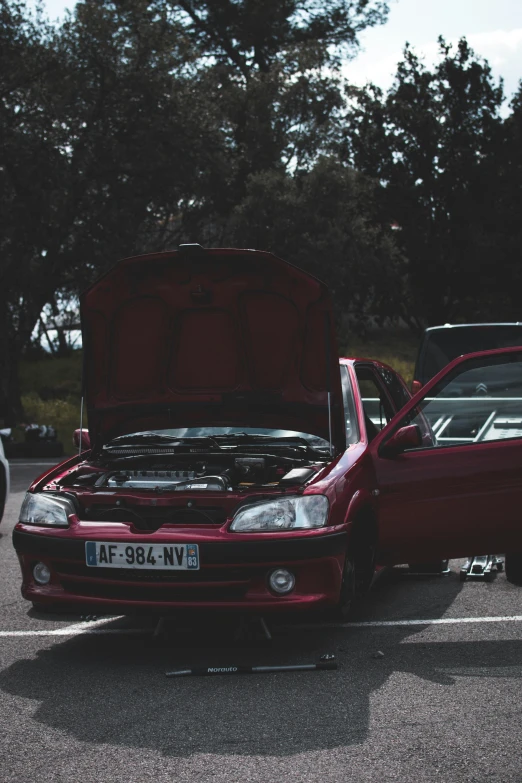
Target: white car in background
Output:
[(4, 475)]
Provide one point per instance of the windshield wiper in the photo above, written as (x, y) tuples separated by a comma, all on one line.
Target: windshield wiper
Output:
[(139, 437), (157, 438), (273, 440)]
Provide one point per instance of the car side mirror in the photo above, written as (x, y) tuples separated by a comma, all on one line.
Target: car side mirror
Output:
[(86, 440), (405, 438), (415, 386)]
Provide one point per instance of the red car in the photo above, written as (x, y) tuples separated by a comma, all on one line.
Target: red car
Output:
[(231, 463)]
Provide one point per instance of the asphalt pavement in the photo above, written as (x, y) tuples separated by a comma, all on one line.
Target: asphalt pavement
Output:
[(428, 689)]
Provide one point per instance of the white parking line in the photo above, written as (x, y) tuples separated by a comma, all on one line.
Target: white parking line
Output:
[(77, 632), (93, 628), (515, 618)]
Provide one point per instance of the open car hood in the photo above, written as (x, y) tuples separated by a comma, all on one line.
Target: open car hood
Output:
[(216, 337)]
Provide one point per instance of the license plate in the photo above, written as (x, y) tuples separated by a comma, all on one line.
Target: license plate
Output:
[(175, 557)]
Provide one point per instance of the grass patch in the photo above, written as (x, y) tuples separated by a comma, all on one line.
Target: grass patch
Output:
[(395, 347), (52, 378), (64, 415), (51, 394)]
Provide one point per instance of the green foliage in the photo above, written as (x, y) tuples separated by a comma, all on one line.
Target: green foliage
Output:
[(434, 142), (51, 392), (58, 378), (323, 220), (63, 414), (136, 125), (396, 347)]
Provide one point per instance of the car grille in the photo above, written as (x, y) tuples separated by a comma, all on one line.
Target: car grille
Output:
[(153, 517)]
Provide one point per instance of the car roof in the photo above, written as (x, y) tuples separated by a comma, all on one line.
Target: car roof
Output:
[(353, 359), (468, 326)]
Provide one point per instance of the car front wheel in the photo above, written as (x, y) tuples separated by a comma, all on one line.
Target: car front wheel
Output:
[(513, 568), (3, 489), (348, 590)]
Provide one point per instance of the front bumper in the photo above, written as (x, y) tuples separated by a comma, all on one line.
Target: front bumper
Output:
[(233, 575)]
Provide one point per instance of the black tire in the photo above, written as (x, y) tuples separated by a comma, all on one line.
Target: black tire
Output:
[(347, 594), (513, 568), (359, 566), (3, 488), (363, 545)]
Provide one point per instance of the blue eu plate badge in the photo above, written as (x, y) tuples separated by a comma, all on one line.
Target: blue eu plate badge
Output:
[(90, 552), (192, 556)]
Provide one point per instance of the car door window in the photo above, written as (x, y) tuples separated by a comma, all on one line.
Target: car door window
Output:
[(479, 401), (350, 418), (378, 409), (396, 388)]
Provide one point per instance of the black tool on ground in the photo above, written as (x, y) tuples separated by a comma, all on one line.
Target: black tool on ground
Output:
[(326, 662), (481, 567)]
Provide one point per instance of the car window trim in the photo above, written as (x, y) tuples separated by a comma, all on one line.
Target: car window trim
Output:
[(380, 384)]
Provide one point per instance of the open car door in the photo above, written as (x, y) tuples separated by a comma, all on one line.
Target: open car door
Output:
[(448, 466)]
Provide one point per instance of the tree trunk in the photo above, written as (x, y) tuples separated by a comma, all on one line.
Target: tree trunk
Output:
[(11, 410)]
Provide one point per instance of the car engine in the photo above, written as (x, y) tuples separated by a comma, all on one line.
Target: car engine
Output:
[(227, 474)]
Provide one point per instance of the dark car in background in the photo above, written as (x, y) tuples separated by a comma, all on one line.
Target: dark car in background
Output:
[(4, 474), (441, 344)]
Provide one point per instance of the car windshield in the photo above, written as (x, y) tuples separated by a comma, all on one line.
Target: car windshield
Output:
[(444, 345), (215, 432)]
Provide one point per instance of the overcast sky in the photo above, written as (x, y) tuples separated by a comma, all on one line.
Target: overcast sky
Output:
[(493, 28)]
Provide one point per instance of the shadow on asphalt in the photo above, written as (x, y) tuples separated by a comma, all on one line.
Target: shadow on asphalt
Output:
[(112, 689)]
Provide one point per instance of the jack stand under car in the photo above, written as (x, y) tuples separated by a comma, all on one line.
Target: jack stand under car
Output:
[(481, 567)]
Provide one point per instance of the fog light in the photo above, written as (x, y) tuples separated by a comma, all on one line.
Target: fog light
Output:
[(281, 581), (42, 574)]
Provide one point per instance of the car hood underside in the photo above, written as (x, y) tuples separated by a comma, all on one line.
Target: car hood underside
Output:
[(210, 338)]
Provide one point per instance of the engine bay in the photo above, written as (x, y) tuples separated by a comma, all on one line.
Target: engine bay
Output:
[(182, 473)]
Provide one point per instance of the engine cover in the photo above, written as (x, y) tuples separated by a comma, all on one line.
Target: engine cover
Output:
[(149, 479)]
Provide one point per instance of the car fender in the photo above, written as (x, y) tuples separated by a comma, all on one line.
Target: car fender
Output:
[(55, 470), (361, 501)]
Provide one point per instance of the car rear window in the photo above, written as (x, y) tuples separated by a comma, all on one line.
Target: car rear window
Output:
[(443, 345)]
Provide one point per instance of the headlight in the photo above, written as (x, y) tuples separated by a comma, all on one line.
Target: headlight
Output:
[(48, 510), (284, 514)]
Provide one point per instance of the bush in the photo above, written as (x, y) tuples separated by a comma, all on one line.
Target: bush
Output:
[(396, 347), (64, 415), (52, 378)]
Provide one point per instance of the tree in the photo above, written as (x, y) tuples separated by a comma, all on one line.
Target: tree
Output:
[(432, 142), (138, 123), (105, 140), (273, 68), (505, 202), (323, 220)]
